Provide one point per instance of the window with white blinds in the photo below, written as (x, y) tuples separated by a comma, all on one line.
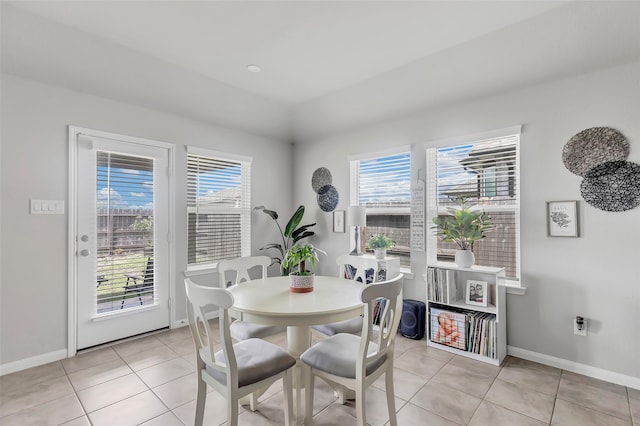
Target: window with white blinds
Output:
[(218, 206), (382, 183), (486, 173)]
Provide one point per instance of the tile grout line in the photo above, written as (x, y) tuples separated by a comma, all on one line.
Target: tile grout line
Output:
[(627, 395), (86, 413)]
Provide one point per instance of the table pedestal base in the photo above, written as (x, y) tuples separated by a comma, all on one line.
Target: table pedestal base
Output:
[(298, 341)]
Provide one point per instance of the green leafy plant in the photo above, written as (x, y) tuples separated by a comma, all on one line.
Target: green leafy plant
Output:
[(142, 224), (380, 241), (300, 256), (291, 235), (463, 226)]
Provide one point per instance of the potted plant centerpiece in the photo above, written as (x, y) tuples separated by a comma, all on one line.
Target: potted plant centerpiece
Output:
[(463, 226), (379, 243), (291, 234), (301, 261)]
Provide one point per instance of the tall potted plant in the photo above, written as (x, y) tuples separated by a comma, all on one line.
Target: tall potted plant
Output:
[(463, 226), (379, 243), (301, 261), (291, 235)]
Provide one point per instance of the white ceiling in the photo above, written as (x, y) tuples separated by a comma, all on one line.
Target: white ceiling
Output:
[(312, 53)]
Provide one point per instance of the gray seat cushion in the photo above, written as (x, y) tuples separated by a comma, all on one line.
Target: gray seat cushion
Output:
[(337, 355), (352, 326), (241, 330), (257, 360)]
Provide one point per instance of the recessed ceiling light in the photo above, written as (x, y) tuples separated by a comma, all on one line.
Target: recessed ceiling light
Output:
[(253, 68)]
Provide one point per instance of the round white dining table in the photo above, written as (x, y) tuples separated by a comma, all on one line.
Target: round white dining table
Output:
[(269, 301)]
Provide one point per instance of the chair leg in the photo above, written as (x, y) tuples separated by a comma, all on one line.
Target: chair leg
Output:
[(201, 397), (360, 405), (126, 290), (232, 411), (124, 294), (391, 402), (253, 401), (308, 395), (298, 380), (287, 386), (341, 393)]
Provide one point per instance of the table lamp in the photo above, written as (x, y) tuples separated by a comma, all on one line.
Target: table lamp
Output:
[(357, 217)]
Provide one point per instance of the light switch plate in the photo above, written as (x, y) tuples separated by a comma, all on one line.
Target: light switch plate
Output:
[(46, 206)]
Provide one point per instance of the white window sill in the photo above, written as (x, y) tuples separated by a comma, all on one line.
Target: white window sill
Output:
[(196, 270), (407, 272), (514, 287)]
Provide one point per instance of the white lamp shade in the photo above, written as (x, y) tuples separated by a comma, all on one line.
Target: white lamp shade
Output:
[(357, 216)]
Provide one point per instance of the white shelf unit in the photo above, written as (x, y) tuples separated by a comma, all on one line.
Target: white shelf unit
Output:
[(451, 297)]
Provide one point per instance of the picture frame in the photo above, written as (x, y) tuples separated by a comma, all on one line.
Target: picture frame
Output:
[(338, 221), (476, 293), (562, 219)]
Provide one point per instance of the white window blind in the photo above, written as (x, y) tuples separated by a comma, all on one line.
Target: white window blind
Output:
[(486, 173), (383, 185), (125, 200), (218, 206)]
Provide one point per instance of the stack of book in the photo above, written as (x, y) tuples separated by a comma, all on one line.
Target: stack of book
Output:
[(482, 334), (469, 331), (438, 284)]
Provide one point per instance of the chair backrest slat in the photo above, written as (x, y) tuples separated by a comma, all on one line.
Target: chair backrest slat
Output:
[(148, 273), (361, 265), (241, 267), (388, 292), (200, 300)]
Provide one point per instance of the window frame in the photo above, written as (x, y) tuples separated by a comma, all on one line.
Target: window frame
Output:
[(244, 210), (354, 179), (431, 192)]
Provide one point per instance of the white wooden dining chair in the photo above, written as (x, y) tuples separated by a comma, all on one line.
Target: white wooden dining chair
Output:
[(241, 330), (355, 268), (355, 362), (239, 369)]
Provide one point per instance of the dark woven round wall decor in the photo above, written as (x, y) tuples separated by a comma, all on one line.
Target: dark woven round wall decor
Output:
[(613, 186), (328, 198), (320, 178), (594, 146)]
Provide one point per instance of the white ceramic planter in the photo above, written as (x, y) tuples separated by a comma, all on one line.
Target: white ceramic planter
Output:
[(301, 283), (465, 258), (380, 253)]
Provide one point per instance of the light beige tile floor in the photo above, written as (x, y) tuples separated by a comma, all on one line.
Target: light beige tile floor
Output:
[(151, 381)]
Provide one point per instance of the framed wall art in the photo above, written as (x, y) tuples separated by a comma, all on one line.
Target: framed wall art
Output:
[(338, 221), (562, 219)]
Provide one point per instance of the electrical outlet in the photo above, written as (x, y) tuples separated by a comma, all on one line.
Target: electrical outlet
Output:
[(580, 326)]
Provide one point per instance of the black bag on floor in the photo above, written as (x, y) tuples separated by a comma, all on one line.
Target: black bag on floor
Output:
[(413, 319)]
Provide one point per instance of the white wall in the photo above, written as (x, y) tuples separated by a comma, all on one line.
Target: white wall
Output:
[(596, 276), (33, 296)]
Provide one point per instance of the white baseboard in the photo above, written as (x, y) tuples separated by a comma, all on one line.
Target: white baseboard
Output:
[(179, 323), (23, 364), (185, 322), (576, 367)]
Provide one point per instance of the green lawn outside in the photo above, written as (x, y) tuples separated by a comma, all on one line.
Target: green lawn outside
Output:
[(115, 268)]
